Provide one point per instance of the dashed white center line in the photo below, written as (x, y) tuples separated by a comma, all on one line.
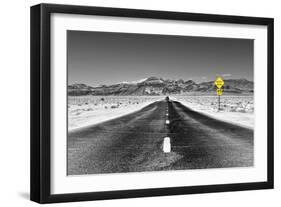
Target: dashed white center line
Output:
[(167, 142), (167, 145)]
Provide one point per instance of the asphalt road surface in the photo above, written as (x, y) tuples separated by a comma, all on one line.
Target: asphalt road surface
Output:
[(134, 143)]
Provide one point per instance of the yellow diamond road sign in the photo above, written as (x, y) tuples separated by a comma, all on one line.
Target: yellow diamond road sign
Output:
[(219, 82), (219, 91)]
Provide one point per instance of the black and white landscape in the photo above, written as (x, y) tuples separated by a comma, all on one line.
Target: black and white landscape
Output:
[(148, 103)]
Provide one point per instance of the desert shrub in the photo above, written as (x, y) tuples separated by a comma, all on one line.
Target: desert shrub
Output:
[(114, 106)]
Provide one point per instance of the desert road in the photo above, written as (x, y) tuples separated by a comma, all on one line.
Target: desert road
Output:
[(134, 143)]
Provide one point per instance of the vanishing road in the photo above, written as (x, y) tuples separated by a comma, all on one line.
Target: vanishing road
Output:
[(134, 143)]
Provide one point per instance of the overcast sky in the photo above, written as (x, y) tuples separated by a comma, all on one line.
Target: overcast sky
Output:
[(96, 58)]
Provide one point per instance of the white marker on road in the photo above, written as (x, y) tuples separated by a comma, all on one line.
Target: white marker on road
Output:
[(166, 145), (167, 121)]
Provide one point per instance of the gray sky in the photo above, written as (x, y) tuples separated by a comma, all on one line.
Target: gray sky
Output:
[(96, 58)]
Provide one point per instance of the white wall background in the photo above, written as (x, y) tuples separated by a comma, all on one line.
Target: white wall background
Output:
[(14, 101)]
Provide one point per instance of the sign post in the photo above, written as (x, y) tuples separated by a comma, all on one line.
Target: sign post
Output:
[(219, 83)]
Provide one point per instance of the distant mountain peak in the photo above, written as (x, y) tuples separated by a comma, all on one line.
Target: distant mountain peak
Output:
[(152, 78), (134, 82), (80, 85)]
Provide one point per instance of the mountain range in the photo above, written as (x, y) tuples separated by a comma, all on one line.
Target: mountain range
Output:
[(160, 86)]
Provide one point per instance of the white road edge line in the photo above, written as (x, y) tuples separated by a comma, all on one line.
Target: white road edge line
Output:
[(167, 145)]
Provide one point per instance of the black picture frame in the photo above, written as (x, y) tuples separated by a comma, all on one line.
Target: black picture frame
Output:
[(41, 98)]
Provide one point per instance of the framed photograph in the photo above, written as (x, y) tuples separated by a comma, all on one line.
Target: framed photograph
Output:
[(133, 103)]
